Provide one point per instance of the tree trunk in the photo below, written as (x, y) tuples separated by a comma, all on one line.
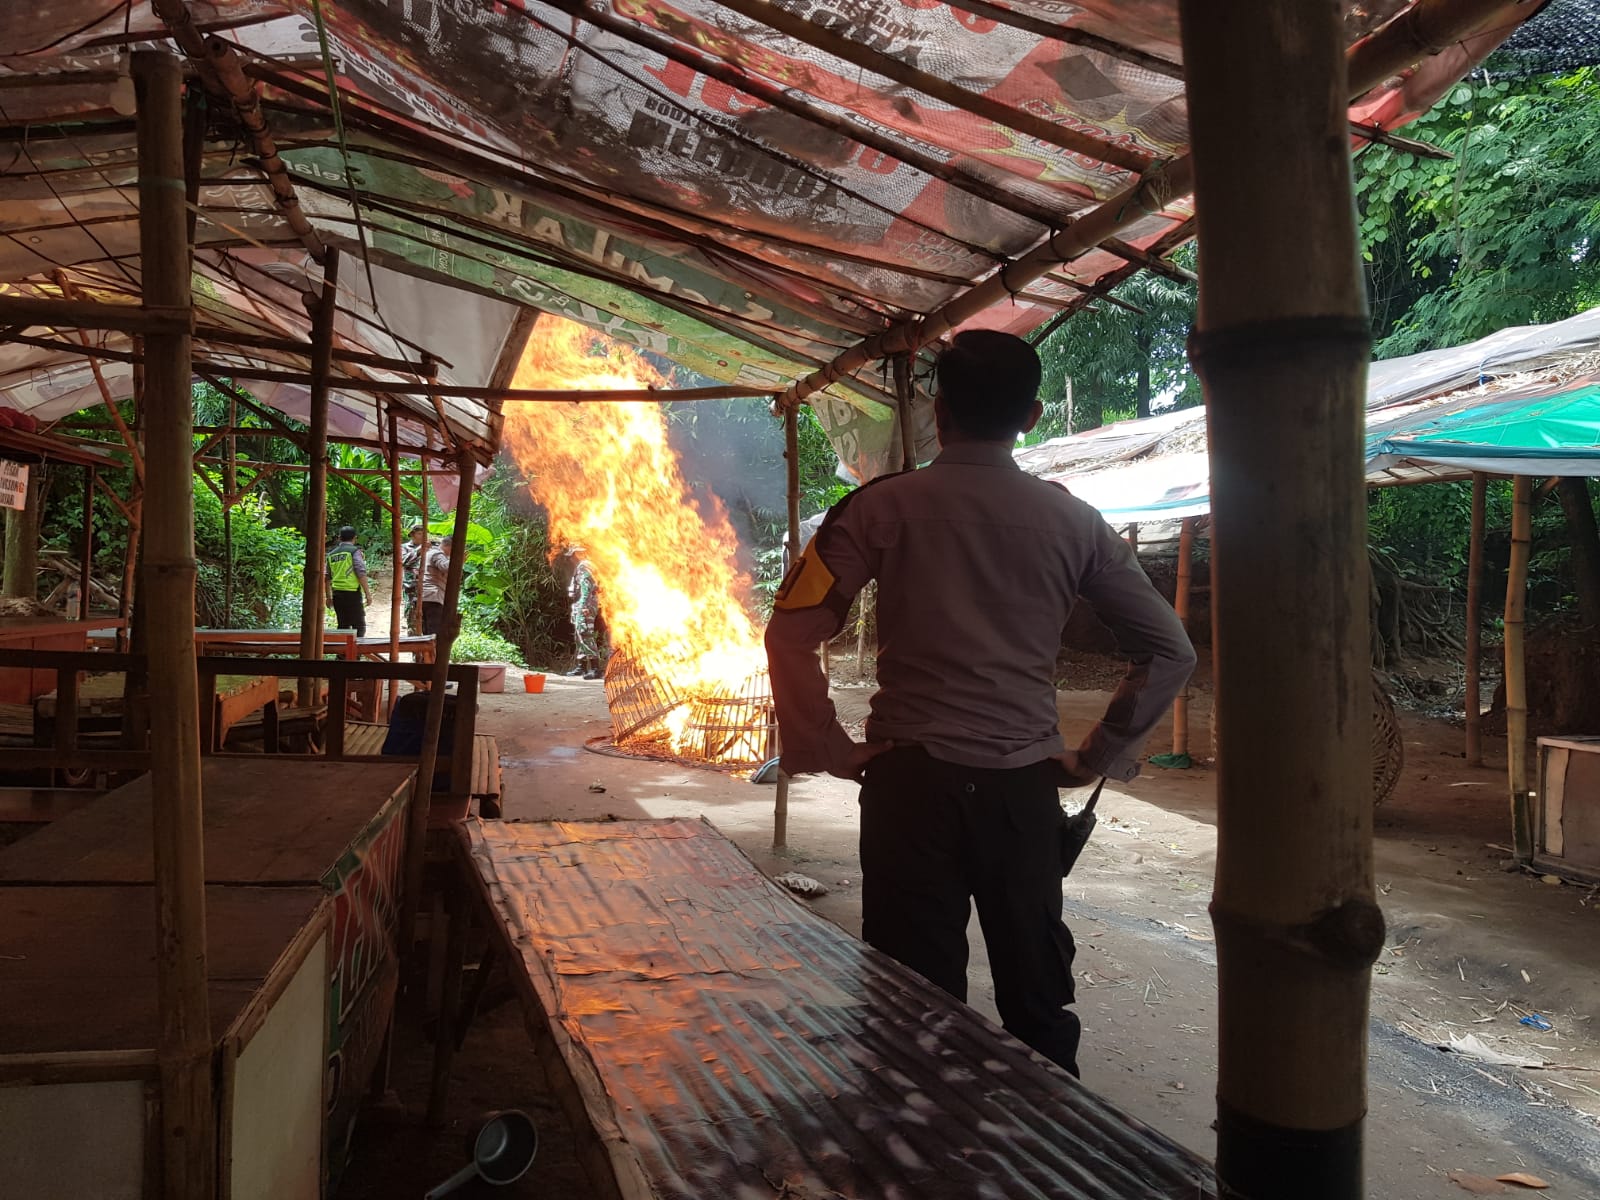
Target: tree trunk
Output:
[(1143, 409), (1585, 539), (22, 540)]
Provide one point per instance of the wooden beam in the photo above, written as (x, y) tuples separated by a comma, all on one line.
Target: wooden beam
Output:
[(1282, 313), (841, 46), (391, 387), (1474, 631), (28, 312), (312, 609), (1516, 665), (188, 1112), (427, 368)]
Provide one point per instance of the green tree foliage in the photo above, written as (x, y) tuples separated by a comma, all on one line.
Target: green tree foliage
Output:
[(1120, 361), (1502, 234)]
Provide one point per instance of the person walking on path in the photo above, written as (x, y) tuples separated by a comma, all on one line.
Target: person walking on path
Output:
[(435, 576), (978, 567), (346, 582), (410, 564)]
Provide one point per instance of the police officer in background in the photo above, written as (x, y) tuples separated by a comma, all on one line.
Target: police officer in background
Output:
[(347, 583), (978, 567)]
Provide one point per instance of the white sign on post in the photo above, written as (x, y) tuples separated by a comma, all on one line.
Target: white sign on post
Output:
[(13, 484)]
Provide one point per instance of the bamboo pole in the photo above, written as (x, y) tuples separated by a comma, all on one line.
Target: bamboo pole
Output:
[(230, 490), (427, 540), (27, 312), (1180, 603), (397, 589), (1282, 314), (312, 608), (905, 393), (417, 817), (1474, 631), (396, 387), (188, 1116), (1516, 664), (791, 468), (86, 551)]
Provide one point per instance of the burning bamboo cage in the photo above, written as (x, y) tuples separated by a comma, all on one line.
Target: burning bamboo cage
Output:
[(650, 714)]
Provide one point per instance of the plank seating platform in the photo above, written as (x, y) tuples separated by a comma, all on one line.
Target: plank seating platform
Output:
[(296, 851), (363, 738), (712, 1036), (41, 805), (266, 822)]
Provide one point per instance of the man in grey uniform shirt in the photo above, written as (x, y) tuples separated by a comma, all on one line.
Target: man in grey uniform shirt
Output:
[(978, 566)]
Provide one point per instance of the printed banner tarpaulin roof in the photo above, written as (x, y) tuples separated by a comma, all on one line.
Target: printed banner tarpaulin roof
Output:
[(747, 187)]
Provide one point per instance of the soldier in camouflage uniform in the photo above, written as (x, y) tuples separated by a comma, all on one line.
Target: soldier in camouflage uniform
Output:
[(584, 593)]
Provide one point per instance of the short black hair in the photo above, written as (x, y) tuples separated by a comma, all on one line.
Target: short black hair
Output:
[(988, 381), (347, 533)]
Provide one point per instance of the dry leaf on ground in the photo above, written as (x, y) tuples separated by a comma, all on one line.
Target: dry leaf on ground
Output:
[(1478, 1185), (1523, 1179)]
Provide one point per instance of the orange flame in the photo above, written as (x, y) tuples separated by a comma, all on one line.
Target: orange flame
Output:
[(665, 562)]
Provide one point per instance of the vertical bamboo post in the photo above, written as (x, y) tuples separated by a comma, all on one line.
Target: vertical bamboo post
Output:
[(1180, 603), (312, 609), (1132, 537), (905, 390), (188, 1116), (1516, 664), (1474, 631), (397, 576), (86, 552), (416, 837), (230, 489), (1281, 344), (791, 466), (427, 537)]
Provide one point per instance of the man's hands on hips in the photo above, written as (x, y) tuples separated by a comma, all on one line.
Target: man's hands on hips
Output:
[(1073, 773), (854, 764)]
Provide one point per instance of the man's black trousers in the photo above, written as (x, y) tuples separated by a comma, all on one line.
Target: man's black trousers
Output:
[(936, 836), (347, 607)]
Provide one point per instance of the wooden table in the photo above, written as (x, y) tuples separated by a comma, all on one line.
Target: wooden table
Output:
[(99, 706), (19, 685), (273, 823), (78, 1068), (336, 643)]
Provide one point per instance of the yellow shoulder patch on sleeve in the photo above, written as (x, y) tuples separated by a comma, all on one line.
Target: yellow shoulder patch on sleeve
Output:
[(807, 584)]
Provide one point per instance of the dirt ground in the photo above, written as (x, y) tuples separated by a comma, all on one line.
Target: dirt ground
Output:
[(1472, 948)]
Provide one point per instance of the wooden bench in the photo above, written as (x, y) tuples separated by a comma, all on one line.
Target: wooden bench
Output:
[(363, 738), (709, 1035), (40, 806)]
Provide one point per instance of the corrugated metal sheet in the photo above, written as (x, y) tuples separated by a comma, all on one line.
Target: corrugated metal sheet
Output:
[(748, 1048)]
